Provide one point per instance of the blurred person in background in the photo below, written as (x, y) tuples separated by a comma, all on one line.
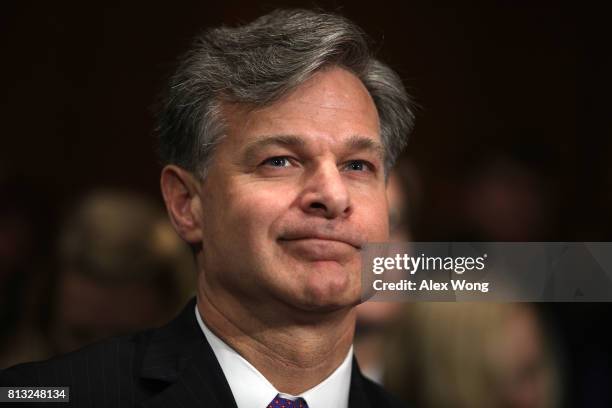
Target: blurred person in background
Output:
[(122, 268), (471, 355)]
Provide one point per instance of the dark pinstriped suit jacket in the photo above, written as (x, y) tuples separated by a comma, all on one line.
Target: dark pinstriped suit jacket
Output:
[(173, 366)]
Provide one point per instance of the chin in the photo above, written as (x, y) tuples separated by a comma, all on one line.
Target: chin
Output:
[(331, 292)]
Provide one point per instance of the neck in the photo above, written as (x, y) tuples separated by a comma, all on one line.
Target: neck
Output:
[(294, 354)]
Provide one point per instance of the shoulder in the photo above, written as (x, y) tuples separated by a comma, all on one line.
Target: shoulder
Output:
[(366, 393), (379, 397), (93, 365)]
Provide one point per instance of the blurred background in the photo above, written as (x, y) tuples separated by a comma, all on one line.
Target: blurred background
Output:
[(512, 143)]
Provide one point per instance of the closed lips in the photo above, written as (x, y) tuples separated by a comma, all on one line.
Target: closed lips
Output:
[(343, 238)]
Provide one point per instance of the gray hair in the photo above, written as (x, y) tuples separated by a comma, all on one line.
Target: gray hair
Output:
[(258, 63)]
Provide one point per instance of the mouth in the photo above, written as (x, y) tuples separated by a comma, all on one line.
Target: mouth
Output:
[(318, 238), (315, 247), (319, 250)]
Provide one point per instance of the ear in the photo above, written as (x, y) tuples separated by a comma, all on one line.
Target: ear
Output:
[(180, 190)]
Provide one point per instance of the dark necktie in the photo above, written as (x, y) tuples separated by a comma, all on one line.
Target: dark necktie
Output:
[(280, 402)]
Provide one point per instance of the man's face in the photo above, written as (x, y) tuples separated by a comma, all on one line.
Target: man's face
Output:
[(292, 194)]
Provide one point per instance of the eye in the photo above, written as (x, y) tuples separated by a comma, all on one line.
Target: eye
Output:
[(359, 165), (278, 161)]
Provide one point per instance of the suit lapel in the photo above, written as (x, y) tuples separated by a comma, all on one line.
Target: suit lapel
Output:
[(358, 397), (180, 363)]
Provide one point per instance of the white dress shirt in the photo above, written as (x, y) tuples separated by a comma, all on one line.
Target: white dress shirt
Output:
[(252, 390)]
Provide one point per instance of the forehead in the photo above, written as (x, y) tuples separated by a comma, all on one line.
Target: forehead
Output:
[(332, 106)]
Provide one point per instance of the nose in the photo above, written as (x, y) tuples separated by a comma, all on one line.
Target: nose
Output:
[(325, 193)]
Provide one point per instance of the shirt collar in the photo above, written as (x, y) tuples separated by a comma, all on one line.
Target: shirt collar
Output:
[(252, 390)]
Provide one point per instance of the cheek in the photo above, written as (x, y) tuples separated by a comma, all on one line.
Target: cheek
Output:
[(252, 211), (373, 218)]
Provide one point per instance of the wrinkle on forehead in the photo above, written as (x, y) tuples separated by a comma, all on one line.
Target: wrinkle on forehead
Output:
[(325, 81), (332, 103)]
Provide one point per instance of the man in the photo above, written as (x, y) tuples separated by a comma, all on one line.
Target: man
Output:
[(277, 137)]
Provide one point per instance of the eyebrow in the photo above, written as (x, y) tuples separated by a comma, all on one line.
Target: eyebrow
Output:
[(360, 143), (355, 143)]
